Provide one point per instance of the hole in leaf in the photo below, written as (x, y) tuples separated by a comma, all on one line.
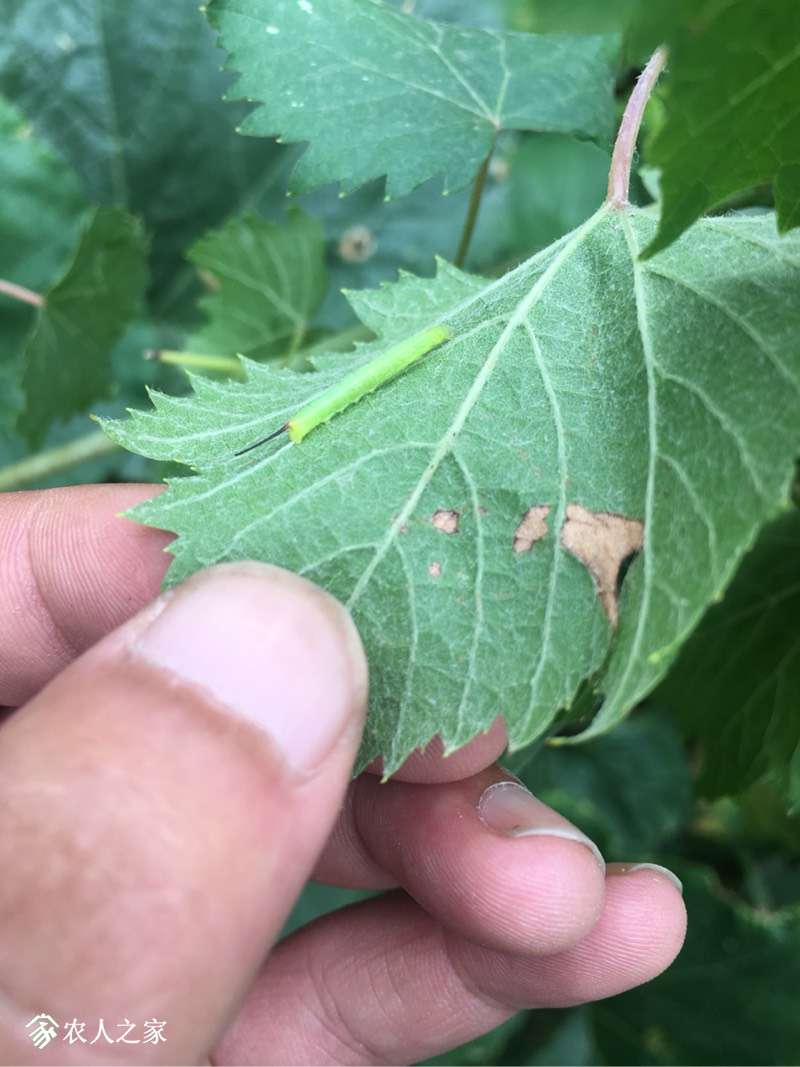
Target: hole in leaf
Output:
[(603, 542), (532, 528)]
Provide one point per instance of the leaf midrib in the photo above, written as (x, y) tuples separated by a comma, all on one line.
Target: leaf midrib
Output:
[(652, 438)]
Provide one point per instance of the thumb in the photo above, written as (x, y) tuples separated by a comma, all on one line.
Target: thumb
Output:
[(162, 801)]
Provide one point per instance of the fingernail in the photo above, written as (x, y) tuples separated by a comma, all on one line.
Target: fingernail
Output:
[(508, 808), (631, 868), (270, 647)]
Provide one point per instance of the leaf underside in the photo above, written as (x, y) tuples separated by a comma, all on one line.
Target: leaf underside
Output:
[(467, 512), (378, 92)]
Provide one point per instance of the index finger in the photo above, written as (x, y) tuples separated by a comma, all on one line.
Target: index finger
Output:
[(71, 570)]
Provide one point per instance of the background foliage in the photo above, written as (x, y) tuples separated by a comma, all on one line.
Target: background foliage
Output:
[(122, 167)]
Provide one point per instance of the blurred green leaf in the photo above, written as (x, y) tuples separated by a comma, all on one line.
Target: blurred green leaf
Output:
[(630, 790), (41, 211), (130, 95), (729, 998), (554, 183), (67, 358), (42, 205), (736, 684), (555, 1037), (267, 280), (762, 818)]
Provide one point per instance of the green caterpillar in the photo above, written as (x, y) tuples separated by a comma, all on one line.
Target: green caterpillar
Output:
[(357, 384)]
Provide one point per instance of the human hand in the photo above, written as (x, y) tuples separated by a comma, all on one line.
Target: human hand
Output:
[(175, 773)]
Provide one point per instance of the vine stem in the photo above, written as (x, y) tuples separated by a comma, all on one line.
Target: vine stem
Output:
[(19, 292), (295, 358), (196, 361), (472, 211), (619, 177), (53, 460)]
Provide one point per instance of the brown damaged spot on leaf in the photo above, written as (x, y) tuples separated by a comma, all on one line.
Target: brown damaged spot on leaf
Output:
[(532, 528), (445, 520), (435, 569), (602, 541)]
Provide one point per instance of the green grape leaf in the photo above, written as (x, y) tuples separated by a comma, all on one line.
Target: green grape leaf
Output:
[(730, 97), (731, 122), (131, 96), (42, 205), (736, 683), (67, 358), (378, 92), (10, 394), (477, 513), (267, 279), (42, 208), (729, 997)]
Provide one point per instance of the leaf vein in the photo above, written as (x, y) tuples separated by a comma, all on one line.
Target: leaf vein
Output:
[(722, 419), (650, 364), (697, 504), (735, 318), (464, 409), (558, 518), (479, 567)]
